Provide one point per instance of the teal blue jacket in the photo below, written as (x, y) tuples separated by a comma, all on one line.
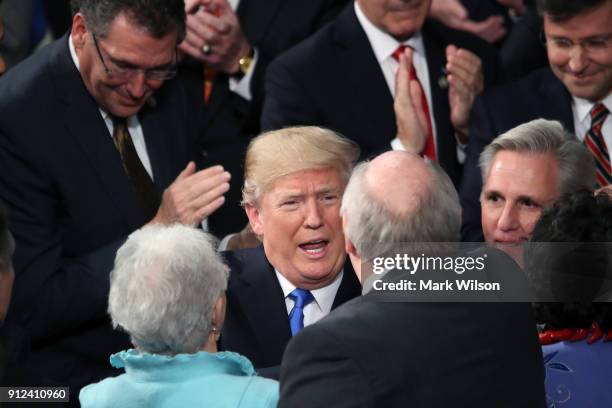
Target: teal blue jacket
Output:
[(202, 379)]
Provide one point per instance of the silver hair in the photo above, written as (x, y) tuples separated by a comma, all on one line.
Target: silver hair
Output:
[(164, 286), (541, 136), (375, 230)]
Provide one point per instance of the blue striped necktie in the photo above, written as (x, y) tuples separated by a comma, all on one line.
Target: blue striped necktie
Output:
[(301, 298), (596, 145)]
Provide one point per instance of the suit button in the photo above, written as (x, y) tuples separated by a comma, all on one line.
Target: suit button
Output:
[(204, 153)]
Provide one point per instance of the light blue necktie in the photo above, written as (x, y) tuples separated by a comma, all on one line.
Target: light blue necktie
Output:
[(301, 298)]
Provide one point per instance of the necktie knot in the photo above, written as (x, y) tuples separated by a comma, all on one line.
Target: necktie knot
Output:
[(598, 114), (301, 297), (399, 51)]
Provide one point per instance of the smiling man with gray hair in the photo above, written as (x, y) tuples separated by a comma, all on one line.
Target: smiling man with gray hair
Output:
[(391, 354), (524, 171)]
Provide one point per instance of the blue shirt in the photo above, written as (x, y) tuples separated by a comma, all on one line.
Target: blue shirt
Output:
[(224, 379), (578, 375)]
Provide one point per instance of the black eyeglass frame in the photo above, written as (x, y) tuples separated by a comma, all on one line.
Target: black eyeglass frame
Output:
[(125, 73)]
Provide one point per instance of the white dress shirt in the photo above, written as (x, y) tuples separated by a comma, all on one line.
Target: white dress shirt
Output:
[(581, 109), (323, 298), (383, 46)]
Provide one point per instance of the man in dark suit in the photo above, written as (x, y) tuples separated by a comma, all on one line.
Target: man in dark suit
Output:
[(92, 132), (344, 78), (371, 353), (240, 38), (294, 181), (567, 91)]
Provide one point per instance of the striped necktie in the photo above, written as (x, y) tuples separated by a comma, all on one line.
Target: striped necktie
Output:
[(596, 144)]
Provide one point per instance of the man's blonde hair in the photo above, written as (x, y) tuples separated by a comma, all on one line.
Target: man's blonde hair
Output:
[(278, 153)]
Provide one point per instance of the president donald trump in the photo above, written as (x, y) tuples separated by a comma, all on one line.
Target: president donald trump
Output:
[(294, 181)]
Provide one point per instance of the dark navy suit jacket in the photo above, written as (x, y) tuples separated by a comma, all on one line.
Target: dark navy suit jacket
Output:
[(256, 322), (333, 79)]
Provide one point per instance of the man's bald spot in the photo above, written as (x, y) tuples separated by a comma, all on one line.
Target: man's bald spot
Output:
[(398, 180)]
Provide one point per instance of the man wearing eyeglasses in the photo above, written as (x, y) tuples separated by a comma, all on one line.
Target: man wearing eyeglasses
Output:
[(95, 141), (575, 90)]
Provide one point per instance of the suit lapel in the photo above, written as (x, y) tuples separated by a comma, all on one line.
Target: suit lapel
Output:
[(558, 103), (158, 134), (88, 130), (367, 85), (349, 287), (269, 318), (436, 61)]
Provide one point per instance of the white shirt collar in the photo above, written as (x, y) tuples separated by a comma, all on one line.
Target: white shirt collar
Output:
[(323, 296), (384, 44), (583, 108), (73, 53)]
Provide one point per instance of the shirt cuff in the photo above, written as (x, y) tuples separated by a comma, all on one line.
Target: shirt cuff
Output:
[(242, 86), (396, 144)]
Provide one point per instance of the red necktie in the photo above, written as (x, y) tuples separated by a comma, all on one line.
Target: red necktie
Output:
[(596, 144), (430, 147)]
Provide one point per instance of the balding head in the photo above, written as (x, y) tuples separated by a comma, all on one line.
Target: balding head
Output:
[(397, 198), (396, 180)]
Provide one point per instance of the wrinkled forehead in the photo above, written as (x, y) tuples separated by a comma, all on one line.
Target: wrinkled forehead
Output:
[(515, 173), (306, 180)]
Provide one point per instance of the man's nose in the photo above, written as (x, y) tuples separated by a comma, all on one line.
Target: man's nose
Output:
[(137, 85), (509, 219), (312, 216), (578, 58)]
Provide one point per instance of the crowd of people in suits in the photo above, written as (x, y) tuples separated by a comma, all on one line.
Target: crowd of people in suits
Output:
[(197, 189)]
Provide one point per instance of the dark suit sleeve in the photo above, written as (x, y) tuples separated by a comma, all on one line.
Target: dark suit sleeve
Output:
[(286, 101), (53, 292), (481, 134), (317, 371)]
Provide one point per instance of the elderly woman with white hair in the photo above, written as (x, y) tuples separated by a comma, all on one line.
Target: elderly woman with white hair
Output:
[(167, 291)]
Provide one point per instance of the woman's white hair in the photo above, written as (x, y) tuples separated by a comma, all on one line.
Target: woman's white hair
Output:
[(164, 286)]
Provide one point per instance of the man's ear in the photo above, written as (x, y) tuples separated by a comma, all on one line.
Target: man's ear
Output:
[(255, 219), (79, 31), (349, 248), (219, 312)]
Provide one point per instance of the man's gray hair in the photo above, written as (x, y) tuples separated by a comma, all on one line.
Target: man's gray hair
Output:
[(541, 136), (164, 286), (157, 17), (375, 230)]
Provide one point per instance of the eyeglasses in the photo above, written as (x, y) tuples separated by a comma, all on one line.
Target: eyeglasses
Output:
[(127, 72), (594, 46)]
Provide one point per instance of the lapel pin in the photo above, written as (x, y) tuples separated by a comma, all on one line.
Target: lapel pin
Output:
[(443, 78)]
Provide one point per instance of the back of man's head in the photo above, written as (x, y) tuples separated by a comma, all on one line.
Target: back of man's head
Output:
[(156, 17), (563, 10), (399, 198)]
